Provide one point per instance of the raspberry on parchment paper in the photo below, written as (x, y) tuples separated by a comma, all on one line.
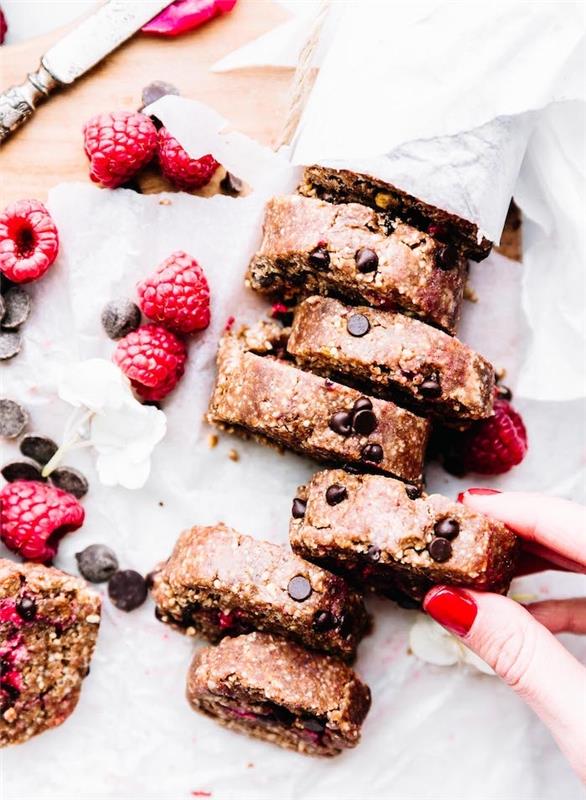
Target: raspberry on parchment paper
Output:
[(177, 295), (118, 144), (153, 358), (177, 165), (29, 241)]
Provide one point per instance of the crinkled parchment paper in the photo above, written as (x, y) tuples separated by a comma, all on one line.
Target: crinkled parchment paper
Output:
[(433, 732)]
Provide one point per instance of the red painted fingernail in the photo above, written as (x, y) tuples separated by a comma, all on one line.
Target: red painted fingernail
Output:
[(481, 490), (453, 608)]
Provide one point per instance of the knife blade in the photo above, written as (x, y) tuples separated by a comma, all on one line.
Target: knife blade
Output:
[(73, 55)]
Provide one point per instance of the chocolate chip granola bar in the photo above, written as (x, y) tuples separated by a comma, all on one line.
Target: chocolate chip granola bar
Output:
[(219, 583), (313, 247), (379, 533), (397, 355), (48, 628), (264, 395), (276, 690), (344, 186)]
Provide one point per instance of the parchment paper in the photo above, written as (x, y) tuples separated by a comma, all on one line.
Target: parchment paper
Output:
[(433, 732)]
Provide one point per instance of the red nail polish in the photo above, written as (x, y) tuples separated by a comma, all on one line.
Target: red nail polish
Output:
[(453, 608), (481, 490)]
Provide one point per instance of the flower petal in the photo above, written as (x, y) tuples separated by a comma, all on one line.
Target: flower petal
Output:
[(95, 384)]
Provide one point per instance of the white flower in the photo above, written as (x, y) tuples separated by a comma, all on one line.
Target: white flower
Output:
[(435, 645), (122, 430)]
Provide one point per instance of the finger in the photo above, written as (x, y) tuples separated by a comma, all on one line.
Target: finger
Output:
[(529, 563), (555, 561), (561, 616), (556, 524), (525, 655)]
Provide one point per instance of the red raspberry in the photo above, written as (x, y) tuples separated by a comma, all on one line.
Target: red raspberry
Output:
[(154, 360), (35, 516), (3, 27), (492, 446), (118, 145), (177, 294), (28, 241), (178, 166)]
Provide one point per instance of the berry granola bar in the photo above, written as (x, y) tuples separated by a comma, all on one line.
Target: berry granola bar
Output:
[(276, 690)]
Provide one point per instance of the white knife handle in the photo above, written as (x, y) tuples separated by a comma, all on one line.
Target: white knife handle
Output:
[(18, 103)]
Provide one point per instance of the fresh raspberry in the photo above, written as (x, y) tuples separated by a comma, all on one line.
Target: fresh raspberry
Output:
[(489, 447), (153, 359), (35, 516), (177, 294), (28, 241), (118, 145), (3, 27), (178, 166)]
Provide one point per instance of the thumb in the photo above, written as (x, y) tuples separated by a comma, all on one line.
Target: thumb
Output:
[(525, 655)]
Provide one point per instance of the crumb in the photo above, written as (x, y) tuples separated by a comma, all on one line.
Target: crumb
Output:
[(409, 651), (501, 373), (233, 455), (212, 440), (470, 294), (250, 765), (229, 323), (164, 201), (200, 793), (161, 503)]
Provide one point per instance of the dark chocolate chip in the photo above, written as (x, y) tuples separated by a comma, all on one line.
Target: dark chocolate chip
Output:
[(188, 612), (17, 305), (26, 608), (230, 184), (298, 508), (150, 578), (70, 480), (299, 588), (12, 692), (431, 387), (324, 621), (447, 257), (97, 563), (412, 491), (440, 549), (319, 258), (40, 448), (21, 471), (372, 453), (503, 392), (366, 260), (313, 724), (283, 715), (13, 418), (362, 403), (404, 601), (373, 553), (448, 528), (127, 589), (346, 624), (341, 423), (364, 422), (357, 325), (10, 344), (336, 494), (120, 317), (155, 90)]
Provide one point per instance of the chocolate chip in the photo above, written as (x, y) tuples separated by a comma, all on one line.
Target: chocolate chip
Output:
[(120, 317), (13, 418), (298, 508), (21, 471), (127, 589), (70, 480), (373, 553), (362, 403), (324, 621), (346, 624), (357, 325), (364, 422), (447, 257), (17, 307), (299, 588), (341, 423), (97, 563), (366, 260), (431, 386), (372, 453), (412, 491), (313, 724), (12, 692), (335, 494), (155, 90), (319, 258), (448, 528), (440, 549), (188, 612), (10, 344), (283, 715), (503, 392), (40, 448), (26, 608), (230, 184)]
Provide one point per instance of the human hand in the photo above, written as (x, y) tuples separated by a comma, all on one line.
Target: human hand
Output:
[(516, 641)]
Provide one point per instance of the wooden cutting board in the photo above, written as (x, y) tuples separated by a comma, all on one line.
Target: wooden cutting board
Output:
[(49, 149)]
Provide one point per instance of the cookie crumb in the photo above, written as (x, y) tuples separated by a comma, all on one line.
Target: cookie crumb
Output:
[(161, 503), (164, 201), (470, 294), (233, 455), (500, 373), (213, 440)]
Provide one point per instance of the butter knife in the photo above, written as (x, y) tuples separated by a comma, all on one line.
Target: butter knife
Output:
[(76, 53)]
